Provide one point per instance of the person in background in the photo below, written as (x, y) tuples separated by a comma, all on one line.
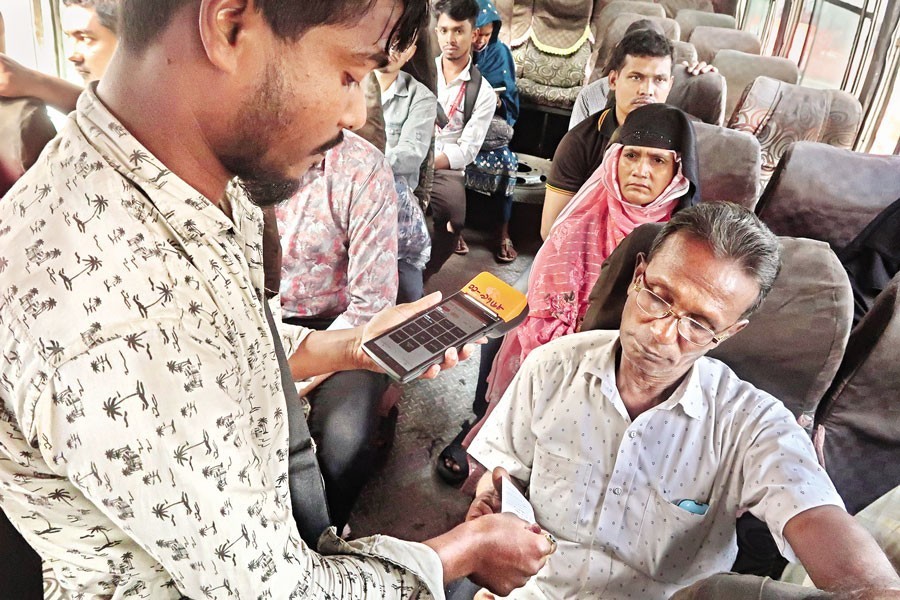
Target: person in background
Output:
[(596, 96), (640, 73), (494, 170), (638, 451), (146, 415), (338, 270), (649, 172), (409, 110), (468, 118), (91, 25)]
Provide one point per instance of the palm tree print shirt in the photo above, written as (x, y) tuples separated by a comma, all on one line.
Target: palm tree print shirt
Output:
[(143, 443)]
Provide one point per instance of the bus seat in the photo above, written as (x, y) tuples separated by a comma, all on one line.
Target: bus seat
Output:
[(702, 96), (684, 52), (794, 343), (709, 40), (779, 113), (25, 129), (689, 19), (601, 21), (616, 31), (673, 7), (860, 415), (729, 165), (740, 69), (826, 193), (548, 79)]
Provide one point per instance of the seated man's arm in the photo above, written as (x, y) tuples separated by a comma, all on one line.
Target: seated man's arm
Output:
[(372, 248), (837, 552), (570, 168), (17, 81), (465, 149), (415, 134), (554, 202)]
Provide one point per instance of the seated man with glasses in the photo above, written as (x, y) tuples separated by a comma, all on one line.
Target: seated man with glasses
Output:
[(638, 451)]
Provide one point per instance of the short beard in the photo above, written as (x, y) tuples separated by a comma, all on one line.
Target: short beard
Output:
[(260, 116)]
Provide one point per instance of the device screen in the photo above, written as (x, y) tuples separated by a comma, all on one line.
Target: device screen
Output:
[(417, 343)]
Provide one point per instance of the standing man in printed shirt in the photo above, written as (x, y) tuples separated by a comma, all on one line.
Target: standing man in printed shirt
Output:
[(142, 407), (460, 139)]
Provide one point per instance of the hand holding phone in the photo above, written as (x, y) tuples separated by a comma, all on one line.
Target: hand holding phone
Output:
[(483, 306)]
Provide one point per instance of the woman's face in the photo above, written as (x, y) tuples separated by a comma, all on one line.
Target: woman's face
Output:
[(644, 173), (482, 37)]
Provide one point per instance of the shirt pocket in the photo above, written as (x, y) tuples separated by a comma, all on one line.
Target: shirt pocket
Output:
[(557, 493), (670, 539)]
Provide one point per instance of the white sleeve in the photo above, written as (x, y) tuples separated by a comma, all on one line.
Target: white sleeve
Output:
[(469, 143)]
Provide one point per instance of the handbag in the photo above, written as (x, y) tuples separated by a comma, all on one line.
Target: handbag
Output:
[(499, 134)]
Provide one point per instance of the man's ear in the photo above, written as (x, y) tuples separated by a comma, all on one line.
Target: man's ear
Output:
[(223, 25), (734, 329), (640, 265), (613, 77)]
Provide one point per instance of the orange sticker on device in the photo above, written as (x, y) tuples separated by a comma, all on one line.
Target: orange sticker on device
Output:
[(497, 295)]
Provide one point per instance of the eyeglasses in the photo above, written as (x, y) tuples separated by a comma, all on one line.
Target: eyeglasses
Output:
[(656, 308)]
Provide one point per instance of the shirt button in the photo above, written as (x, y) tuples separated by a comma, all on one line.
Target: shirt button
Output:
[(617, 491), (632, 434)]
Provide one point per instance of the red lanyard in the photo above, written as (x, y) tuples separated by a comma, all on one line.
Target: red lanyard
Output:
[(459, 97)]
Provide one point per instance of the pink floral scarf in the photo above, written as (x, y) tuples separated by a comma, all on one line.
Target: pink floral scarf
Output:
[(568, 264)]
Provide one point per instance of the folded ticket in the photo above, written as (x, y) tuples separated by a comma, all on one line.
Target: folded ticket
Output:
[(512, 501)]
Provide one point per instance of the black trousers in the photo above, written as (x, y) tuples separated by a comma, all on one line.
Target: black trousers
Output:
[(448, 205), (343, 423)]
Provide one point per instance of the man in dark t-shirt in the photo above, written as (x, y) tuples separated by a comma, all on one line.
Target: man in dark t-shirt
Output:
[(640, 73)]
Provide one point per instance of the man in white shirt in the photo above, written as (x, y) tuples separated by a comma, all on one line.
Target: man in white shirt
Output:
[(638, 451), (460, 139), (144, 418)]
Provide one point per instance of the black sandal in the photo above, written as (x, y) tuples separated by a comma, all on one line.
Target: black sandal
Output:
[(456, 453)]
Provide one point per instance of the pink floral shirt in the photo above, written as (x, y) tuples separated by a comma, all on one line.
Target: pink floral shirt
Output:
[(339, 237)]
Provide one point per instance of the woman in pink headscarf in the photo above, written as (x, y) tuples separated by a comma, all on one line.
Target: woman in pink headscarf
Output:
[(649, 172)]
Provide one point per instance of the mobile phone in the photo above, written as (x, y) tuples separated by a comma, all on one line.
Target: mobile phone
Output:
[(484, 306)]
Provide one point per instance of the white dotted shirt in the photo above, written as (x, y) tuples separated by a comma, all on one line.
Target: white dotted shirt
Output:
[(607, 486)]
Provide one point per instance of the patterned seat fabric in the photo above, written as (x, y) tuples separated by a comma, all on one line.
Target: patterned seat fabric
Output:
[(860, 415), (825, 193), (709, 40), (547, 95), (794, 342), (779, 114), (689, 19), (740, 69), (547, 79)]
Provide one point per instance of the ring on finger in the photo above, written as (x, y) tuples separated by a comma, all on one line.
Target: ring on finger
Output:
[(552, 539)]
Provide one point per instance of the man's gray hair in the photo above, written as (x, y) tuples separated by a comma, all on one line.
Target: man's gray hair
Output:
[(732, 232)]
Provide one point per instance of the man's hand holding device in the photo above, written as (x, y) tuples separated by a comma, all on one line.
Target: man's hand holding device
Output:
[(433, 331)]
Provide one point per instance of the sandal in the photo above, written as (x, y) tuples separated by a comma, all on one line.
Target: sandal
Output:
[(457, 454), (506, 253), (461, 247)]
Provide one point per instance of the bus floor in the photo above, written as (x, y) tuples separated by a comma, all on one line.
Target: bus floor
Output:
[(406, 498)]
